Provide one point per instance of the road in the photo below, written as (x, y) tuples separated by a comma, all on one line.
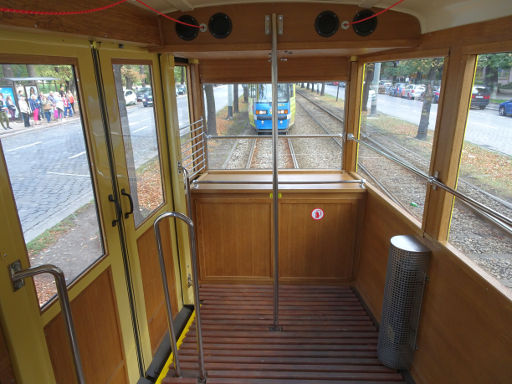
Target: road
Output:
[(55, 156), (484, 127)]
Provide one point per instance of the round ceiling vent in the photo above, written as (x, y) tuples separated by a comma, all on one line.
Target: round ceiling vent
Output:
[(327, 24), (184, 31), (220, 25), (366, 27)]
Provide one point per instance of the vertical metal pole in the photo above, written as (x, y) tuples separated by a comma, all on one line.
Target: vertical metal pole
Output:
[(172, 334), (275, 178)]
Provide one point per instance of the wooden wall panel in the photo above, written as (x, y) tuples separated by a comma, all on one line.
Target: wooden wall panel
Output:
[(317, 251), (299, 32), (6, 372), (233, 238), (154, 298), (258, 70), (465, 334), (98, 333)]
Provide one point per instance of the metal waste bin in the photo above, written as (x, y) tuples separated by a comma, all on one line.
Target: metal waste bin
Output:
[(403, 293)]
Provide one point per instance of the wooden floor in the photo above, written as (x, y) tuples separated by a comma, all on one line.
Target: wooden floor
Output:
[(327, 338)]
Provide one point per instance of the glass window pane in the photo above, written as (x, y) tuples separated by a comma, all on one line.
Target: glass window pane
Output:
[(485, 170), (246, 110), (135, 100), (49, 170), (399, 112)]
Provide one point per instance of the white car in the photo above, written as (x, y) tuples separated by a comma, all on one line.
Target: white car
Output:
[(130, 97)]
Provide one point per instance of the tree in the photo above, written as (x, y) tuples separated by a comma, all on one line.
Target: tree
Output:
[(322, 92), (366, 86), (235, 98), (210, 110), (491, 64), (246, 93)]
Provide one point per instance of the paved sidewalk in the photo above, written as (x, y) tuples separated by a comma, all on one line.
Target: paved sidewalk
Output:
[(18, 126)]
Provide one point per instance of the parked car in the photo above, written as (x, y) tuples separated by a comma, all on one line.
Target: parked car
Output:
[(181, 89), (130, 97), (147, 99), (505, 108), (384, 85), (480, 97), (415, 92), (141, 92)]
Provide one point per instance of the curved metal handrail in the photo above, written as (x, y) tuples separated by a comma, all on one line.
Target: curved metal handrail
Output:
[(192, 238), (62, 292)]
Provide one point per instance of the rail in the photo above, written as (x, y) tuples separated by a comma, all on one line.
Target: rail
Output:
[(361, 182), (62, 292), (172, 334), (312, 136), (503, 221)]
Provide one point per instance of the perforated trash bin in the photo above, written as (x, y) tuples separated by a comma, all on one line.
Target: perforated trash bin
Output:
[(403, 293)]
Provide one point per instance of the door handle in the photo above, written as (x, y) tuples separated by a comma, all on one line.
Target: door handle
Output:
[(124, 193)]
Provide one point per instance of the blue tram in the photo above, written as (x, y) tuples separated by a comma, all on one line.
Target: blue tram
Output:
[(260, 107)]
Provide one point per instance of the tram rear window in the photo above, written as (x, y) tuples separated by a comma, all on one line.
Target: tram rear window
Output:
[(239, 125)]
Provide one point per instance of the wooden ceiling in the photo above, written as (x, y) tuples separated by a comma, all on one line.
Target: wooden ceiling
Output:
[(433, 15)]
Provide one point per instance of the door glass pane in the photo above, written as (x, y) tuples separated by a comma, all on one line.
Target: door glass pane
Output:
[(47, 160), (135, 100)]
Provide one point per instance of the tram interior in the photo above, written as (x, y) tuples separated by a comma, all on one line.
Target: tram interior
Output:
[(243, 198)]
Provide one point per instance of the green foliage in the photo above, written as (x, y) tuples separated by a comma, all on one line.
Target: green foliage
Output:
[(417, 70)]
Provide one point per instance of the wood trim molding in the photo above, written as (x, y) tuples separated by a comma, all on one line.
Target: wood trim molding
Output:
[(352, 114)]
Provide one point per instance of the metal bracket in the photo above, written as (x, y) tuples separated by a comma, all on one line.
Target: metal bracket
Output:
[(112, 200), (436, 176), (13, 268), (267, 25), (280, 24)]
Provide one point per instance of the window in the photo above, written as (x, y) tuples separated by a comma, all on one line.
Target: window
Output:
[(398, 117), (304, 108), (140, 138), (48, 164), (485, 171)]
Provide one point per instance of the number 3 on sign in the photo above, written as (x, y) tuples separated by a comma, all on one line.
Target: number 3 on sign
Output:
[(317, 214)]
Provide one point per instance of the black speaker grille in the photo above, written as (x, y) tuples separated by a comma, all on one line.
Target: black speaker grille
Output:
[(366, 27), (327, 23), (220, 25), (184, 31)]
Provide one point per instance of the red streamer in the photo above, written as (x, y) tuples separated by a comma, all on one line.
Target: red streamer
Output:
[(62, 13), (378, 13)]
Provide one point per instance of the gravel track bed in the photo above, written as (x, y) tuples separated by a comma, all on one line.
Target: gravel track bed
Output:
[(321, 153), (486, 244)]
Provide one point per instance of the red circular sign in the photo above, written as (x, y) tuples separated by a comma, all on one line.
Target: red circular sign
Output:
[(317, 214)]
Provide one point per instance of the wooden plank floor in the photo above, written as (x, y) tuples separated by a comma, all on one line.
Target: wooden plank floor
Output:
[(327, 338)]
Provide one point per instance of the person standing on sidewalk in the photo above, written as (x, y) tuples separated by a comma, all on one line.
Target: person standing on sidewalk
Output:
[(25, 110), (11, 107), (4, 118), (71, 100), (47, 108), (35, 106)]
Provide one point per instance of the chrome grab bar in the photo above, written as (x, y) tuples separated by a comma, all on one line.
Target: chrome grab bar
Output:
[(361, 182), (62, 292), (311, 136), (436, 183), (192, 238)]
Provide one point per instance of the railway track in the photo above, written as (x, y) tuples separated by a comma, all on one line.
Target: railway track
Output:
[(253, 153)]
